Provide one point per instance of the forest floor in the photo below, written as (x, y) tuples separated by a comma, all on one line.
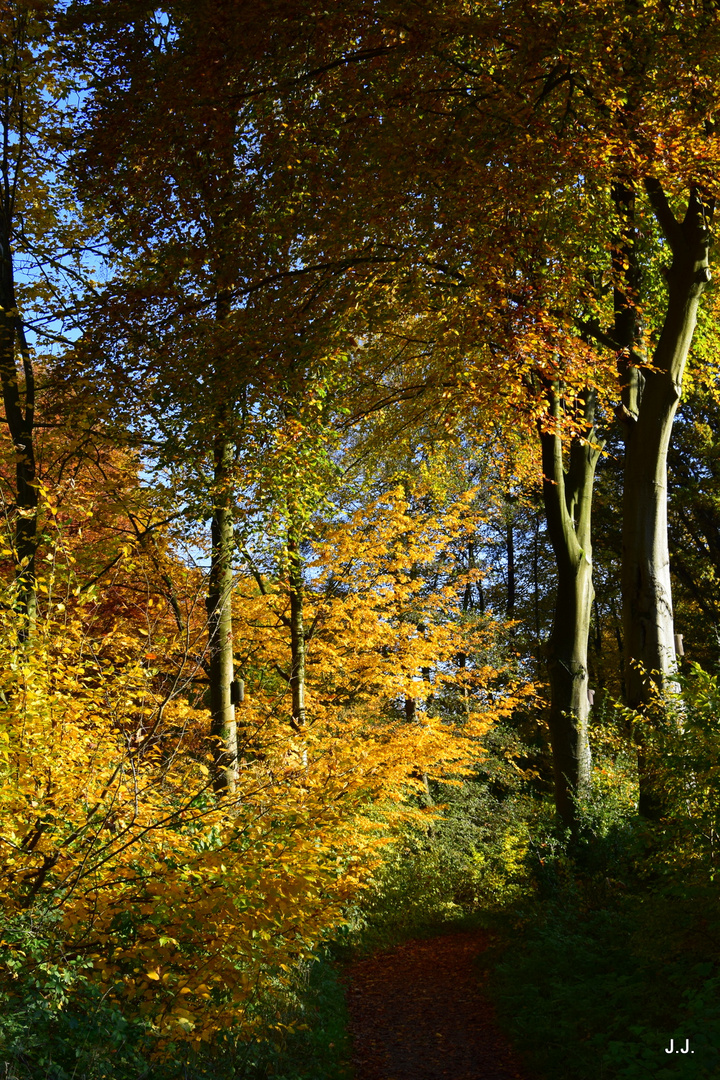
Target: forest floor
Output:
[(418, 1012)]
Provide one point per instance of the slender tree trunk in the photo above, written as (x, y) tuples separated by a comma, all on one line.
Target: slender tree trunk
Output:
[(568, 498), (648, 630), (16, 370), (20, 418), (511, 588), (536, 583), (297, 632), (220, 627)]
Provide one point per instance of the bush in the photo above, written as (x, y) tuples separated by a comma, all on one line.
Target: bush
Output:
[(55, 1024), (620, 951), (469, 858), (584, 995)]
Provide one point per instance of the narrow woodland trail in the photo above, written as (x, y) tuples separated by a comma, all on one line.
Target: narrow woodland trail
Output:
[(418, 1013)]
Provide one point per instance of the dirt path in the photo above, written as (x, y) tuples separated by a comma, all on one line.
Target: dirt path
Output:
[(417, 1013)]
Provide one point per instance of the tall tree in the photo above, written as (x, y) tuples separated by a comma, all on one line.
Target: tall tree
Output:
[(222, 296), (694, 515), (615, 112), (567, 494), (41, 243), (650, 399), (186, 202)]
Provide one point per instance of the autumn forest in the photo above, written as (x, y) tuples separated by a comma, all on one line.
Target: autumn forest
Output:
[(360, 553)]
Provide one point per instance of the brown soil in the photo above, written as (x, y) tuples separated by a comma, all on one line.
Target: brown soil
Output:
[(417, 1012)]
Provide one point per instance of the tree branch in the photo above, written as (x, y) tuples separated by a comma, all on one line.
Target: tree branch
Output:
[(670, 226), (592, 329)]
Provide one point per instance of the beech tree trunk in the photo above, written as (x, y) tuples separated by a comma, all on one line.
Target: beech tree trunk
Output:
[(567, 495), (648, 629), (16, 370), (19, 404), (220, 628)]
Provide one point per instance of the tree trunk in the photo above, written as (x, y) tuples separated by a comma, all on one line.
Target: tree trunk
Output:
[(648, 630), (297, 632), (536, 583), (568, 498), (20, 419), (220, 627), (16, 370), (510, 543)]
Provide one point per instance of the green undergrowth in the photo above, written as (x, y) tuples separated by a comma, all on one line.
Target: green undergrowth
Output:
[(595, 984), (309, 1023), (56, 1026), (304, 1033), (465, 864), (614, 949), (54, 1022)]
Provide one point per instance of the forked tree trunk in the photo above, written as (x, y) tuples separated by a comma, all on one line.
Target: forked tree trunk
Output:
[(567, 494), (648, 629), (220, 628)]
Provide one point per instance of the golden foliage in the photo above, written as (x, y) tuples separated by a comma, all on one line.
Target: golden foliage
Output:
[(187, 903)]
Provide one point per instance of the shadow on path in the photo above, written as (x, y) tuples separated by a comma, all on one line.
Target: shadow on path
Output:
[(417, 1012)]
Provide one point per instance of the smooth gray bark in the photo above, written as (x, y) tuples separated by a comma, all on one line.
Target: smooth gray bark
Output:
[(648, 629), (567, 494), (220, 627)]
